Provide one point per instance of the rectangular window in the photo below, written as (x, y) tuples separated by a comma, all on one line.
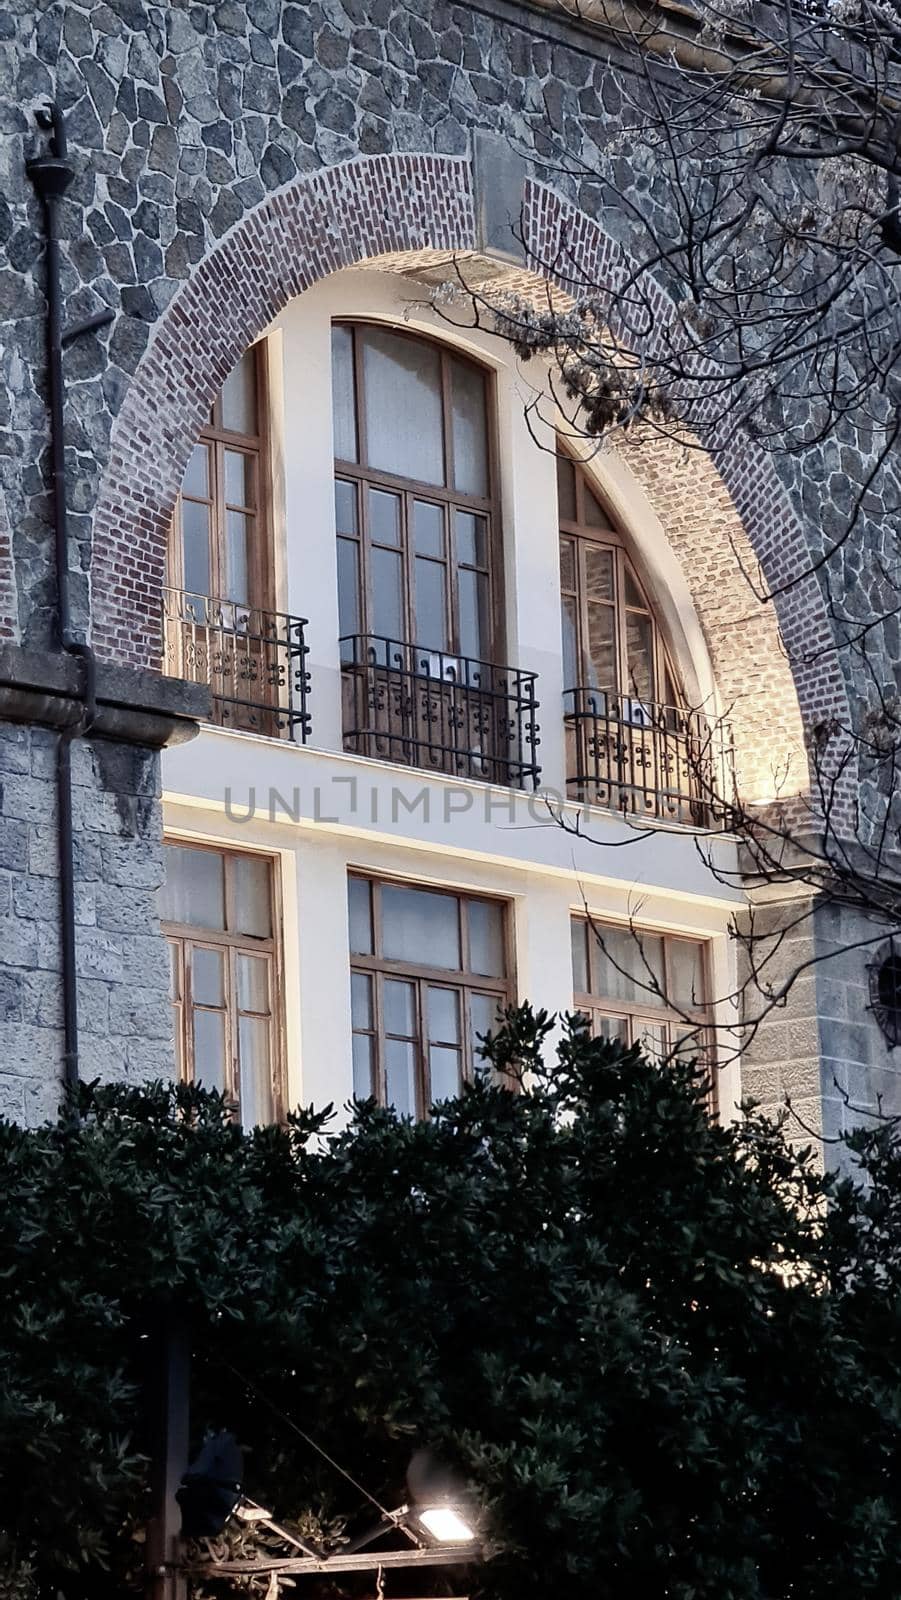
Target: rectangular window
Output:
[(430, 974), (217, 912), (642, 988)]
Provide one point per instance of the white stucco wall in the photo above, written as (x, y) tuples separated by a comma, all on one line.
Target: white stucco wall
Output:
[(319, 811)]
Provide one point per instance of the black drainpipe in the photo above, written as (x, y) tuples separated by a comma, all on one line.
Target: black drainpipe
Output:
[(51, 175)]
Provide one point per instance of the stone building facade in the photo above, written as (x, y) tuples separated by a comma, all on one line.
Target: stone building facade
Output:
[(254, 174)]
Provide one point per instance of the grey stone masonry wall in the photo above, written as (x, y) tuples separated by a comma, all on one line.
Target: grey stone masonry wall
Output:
[(122, 970)]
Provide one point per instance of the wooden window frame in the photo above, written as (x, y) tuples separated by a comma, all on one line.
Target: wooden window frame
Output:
[(465, 983), (218, 439), (644, 1011), (183, 938), (584, 534), (409, 490)]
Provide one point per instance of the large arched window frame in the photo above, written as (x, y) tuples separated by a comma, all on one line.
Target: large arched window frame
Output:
[(633, 744), (221, 544), (612, 638), (419, 560)]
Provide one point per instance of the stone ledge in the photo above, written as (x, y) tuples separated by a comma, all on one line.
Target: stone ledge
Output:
[(133, 706)]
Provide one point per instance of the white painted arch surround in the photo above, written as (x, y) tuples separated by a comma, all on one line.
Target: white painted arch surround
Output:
[(659, 880)]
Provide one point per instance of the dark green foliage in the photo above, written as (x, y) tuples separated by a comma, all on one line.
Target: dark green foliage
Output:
[(666, 1365)]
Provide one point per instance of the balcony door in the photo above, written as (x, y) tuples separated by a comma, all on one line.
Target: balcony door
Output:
[(220, 628), (632, 745), (418, 561)]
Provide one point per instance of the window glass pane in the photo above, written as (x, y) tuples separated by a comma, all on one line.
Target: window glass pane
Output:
[(472, 539), (579, 939), (253, 984), (359, 905), (387, 594), (251, 888), (361, 999), (566, 489), (431, 616), (384, 517), (633, 594), (239, 401), (348, 586), (345, 506), (364, 1082), (239, 479), (689, 1044), (568, 565), (445, 1072), (613, 1028), (400, 1076), (598, 572), (207, 977), (571, 672), (209, 1049), (420, 927), (486, 938), (652, 1037), (238, 529), (470, 428), (195, 543), (595, 515), (428, 529), (194, 890), (686, 973), (343, 411), (639, 655), (197, 473), (484, 1018), (475, 633), (399, 1004), (444, 1015), (627, 963), (602, 672), (255, 1072), (174, 970), (402, 385)]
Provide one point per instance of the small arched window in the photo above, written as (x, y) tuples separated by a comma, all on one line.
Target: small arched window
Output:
[(414, 494), (632, 744), (611, 639), (220, 547)]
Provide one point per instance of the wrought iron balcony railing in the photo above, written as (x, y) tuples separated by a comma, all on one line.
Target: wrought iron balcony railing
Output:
[(253, 661), (648, 761), (439, 711)]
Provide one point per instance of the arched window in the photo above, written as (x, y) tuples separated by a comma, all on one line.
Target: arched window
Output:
[(414, 493), (419, 569), (220, 628), (632, 744), (219, 547), (611, 639)]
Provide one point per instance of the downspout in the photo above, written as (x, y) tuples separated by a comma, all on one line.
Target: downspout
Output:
[(51, 175)]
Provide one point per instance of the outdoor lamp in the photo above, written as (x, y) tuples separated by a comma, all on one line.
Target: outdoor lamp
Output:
[(445, 1524), (438, 1497)]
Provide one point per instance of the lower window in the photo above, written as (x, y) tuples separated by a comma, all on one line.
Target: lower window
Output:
[(429, 975), (642, 988), (216, 910)]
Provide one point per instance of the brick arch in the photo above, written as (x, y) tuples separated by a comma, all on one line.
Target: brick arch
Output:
[(372, 207)]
